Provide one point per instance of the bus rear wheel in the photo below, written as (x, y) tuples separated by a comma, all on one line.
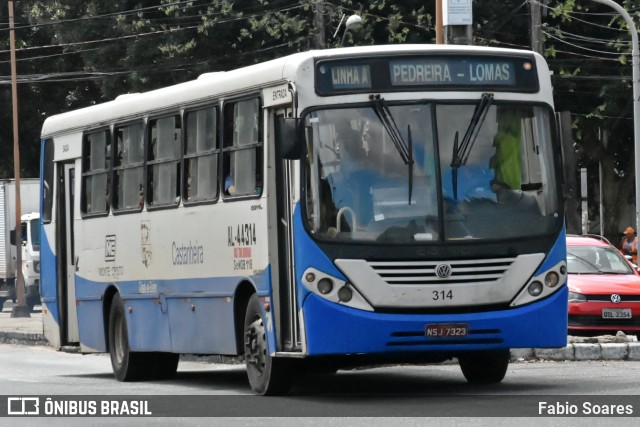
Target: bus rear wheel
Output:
[(128, 365), (267, 375), (484, 367)]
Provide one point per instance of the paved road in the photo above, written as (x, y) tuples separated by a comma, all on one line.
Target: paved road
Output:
[(408, 392)]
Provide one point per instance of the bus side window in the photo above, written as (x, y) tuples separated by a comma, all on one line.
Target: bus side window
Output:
[(163, 161), (128, 183), (201, 155), (242, 166), (96, 161)]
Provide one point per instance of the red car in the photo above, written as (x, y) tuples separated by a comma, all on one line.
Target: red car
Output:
[(604, 288)]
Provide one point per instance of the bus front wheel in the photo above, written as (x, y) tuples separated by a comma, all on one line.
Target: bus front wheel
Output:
[(484, 367), (267, 375)]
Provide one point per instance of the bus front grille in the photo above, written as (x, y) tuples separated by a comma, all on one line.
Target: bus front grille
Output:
[(436, 272)]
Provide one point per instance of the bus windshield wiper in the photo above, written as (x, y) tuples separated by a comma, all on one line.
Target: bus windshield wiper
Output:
[(461, 153), (405, 150)]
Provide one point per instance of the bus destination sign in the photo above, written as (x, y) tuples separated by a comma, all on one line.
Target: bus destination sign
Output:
[(452, 71), (441, 72)]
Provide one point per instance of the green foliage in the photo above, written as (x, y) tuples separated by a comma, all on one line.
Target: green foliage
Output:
[(103, 49)]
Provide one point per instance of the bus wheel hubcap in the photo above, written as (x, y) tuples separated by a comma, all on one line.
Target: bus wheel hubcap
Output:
[(255, 345)]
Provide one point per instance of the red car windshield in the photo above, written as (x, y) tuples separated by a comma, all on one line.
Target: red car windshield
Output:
[(596, 260)]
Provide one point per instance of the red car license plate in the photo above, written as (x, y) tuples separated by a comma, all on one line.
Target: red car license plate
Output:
[(447, 330), (616, 313)]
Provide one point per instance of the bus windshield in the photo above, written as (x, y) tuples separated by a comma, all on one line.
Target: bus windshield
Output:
[(474, 171)]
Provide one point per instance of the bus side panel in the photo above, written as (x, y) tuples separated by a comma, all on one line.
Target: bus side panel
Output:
[(183, 318), (48, 287), (347, 331), (202, 325), (148, 325), (91, 326)]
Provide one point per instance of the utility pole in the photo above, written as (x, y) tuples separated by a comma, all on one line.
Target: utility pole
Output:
[(318, 37), (457, 20), (536, 27), (21, 309)]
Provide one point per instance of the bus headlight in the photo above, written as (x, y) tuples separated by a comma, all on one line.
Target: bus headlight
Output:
[(542, 285), (325, 286), (334, 289), (551, 279), (345, 294), (36, 266), (535, 289)]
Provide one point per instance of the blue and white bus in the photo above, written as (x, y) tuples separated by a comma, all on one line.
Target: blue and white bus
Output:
[(324, 210)]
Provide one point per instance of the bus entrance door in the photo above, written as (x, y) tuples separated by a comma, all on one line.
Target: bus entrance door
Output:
[(67, 260), (284, 283)]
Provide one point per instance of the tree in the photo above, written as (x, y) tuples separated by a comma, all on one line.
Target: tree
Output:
[(588, 48), (76, 53)]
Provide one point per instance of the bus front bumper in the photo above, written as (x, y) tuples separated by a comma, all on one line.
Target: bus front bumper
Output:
[(333, 329)]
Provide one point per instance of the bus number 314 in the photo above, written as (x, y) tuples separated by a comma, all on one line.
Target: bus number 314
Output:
[(442, 295)]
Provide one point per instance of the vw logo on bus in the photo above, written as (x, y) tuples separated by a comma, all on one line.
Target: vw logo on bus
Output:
[(615, 298), (443, 271)]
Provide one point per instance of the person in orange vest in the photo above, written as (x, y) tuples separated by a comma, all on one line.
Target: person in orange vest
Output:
[(629, 244)]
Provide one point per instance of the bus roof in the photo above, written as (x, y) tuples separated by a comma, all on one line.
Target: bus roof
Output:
[(216, 85)]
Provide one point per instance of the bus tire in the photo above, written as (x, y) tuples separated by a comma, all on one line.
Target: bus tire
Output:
[(267, 375), (127, 365), (484, 367)]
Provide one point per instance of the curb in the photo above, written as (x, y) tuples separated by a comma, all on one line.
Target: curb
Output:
[(580, 352), (23, 338)]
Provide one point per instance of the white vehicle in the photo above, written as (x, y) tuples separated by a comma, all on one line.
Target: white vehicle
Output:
[(26, 237), (330, 208)]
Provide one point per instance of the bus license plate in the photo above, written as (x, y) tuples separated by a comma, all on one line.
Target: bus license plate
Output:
[(616, 313), (447, 330)]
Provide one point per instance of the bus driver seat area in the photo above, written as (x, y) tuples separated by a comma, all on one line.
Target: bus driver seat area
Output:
[(350, 187)]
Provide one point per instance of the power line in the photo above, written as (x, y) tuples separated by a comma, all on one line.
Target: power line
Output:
[(582, 47), (593, 24), (151, 33), (76, 76), (579, 37), (590, 77), (491, 28), (582, 55), (106, 15), (573, 12)]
